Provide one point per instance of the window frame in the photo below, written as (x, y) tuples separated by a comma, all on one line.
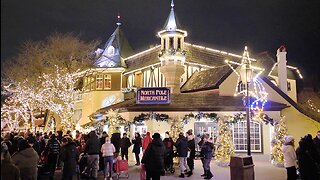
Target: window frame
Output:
[(243, 136)]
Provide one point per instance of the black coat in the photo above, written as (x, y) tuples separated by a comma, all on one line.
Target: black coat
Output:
[(137, 143), (125, 144), (115, 140), (93, 145), (207, 150), (153, 157), (69, 156), (168, 144), (192, 148), (182, 146)]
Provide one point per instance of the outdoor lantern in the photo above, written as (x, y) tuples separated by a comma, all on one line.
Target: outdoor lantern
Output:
[(246, 73)]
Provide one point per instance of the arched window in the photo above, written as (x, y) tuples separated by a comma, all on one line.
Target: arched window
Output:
[(241, 87), (110, 51), (240, 136)]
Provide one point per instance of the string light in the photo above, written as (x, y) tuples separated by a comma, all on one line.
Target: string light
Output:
[(277, 142), (258, 91)]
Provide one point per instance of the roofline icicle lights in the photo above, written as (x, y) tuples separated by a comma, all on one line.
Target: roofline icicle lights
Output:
[(258, 91)]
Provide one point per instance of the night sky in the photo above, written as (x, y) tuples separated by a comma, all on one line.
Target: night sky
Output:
[(262, 25)]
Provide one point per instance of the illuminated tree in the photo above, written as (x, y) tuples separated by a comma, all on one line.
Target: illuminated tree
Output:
[(280, 130), (59, 91), (225, 144), (176, 127)]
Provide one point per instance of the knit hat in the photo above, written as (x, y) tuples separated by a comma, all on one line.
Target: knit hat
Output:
[(23, 144), (288, 139), (156, 136)]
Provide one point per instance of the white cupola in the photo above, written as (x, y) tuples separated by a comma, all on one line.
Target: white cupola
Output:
[(172, 55)]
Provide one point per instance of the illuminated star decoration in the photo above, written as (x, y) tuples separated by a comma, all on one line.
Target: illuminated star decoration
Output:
[(257, 91)]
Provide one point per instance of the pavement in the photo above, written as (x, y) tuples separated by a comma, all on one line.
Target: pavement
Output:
[(263, 170)]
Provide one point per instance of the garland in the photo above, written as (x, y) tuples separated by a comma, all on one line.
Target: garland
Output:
[(150, 116), (242, 117), (200, 115)]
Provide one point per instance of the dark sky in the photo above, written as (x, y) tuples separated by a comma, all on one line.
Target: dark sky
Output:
[(262, 25)]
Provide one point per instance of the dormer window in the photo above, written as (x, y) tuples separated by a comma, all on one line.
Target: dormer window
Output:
[(171, 42), (111, 51), (241, 87)]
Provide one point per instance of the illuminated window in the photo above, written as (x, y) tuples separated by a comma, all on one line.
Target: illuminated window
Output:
[(107, 81), (241, 87), (99, 81), (289, 86), (240, 136), (85, 83), (171, 42), (110, 51), (92, 83), (179, 43)]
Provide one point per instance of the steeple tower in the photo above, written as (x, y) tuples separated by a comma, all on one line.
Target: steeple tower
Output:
[(115, 50), (172, 54)]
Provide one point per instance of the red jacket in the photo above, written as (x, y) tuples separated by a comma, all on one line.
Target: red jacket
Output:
[(146, 141)]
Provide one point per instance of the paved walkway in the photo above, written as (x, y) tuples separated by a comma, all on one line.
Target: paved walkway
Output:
[(263, 171)]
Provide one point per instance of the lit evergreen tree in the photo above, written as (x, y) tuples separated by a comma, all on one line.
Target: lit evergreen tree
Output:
[(280, 130), (225, 145)]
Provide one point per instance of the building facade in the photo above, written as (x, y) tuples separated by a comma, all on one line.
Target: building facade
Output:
[(200, 82)]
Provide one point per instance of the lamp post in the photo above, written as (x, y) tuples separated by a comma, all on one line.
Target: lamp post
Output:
[(246, 78)]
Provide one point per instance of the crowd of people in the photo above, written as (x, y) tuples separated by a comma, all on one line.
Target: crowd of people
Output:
[(306, 157), (28, 156)]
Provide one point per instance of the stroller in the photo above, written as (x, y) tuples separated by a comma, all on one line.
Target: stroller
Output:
[(82, 164), (168, 163), (121, 167)]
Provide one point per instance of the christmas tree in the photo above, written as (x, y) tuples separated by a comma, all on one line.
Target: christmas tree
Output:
[(176, 128), (277, 142), (225, 145)]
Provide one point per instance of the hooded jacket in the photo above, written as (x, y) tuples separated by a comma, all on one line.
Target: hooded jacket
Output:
[(69, 156), (27, 161), (146, 141), (93, 144), (289, 155), (182, 146), (153, 157)]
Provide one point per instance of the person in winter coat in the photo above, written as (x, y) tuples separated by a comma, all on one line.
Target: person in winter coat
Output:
[(92, 148), (316, 142), (182, 149), (8, 169), (191, 152), (107, 151), (290, 157), (146, 141), (52, 151), (27, 161), (124, 145), (206, 152), (115, 140), (308, 159), (168, 152), (69, 156), (102, 141), (137, 142), (153, 158)]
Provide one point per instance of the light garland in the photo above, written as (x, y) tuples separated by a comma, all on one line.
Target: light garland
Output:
[(280, 132), (312, 106)]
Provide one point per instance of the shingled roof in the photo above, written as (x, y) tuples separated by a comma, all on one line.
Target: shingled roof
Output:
[(207, 79), (189, 102), (194, 54)]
